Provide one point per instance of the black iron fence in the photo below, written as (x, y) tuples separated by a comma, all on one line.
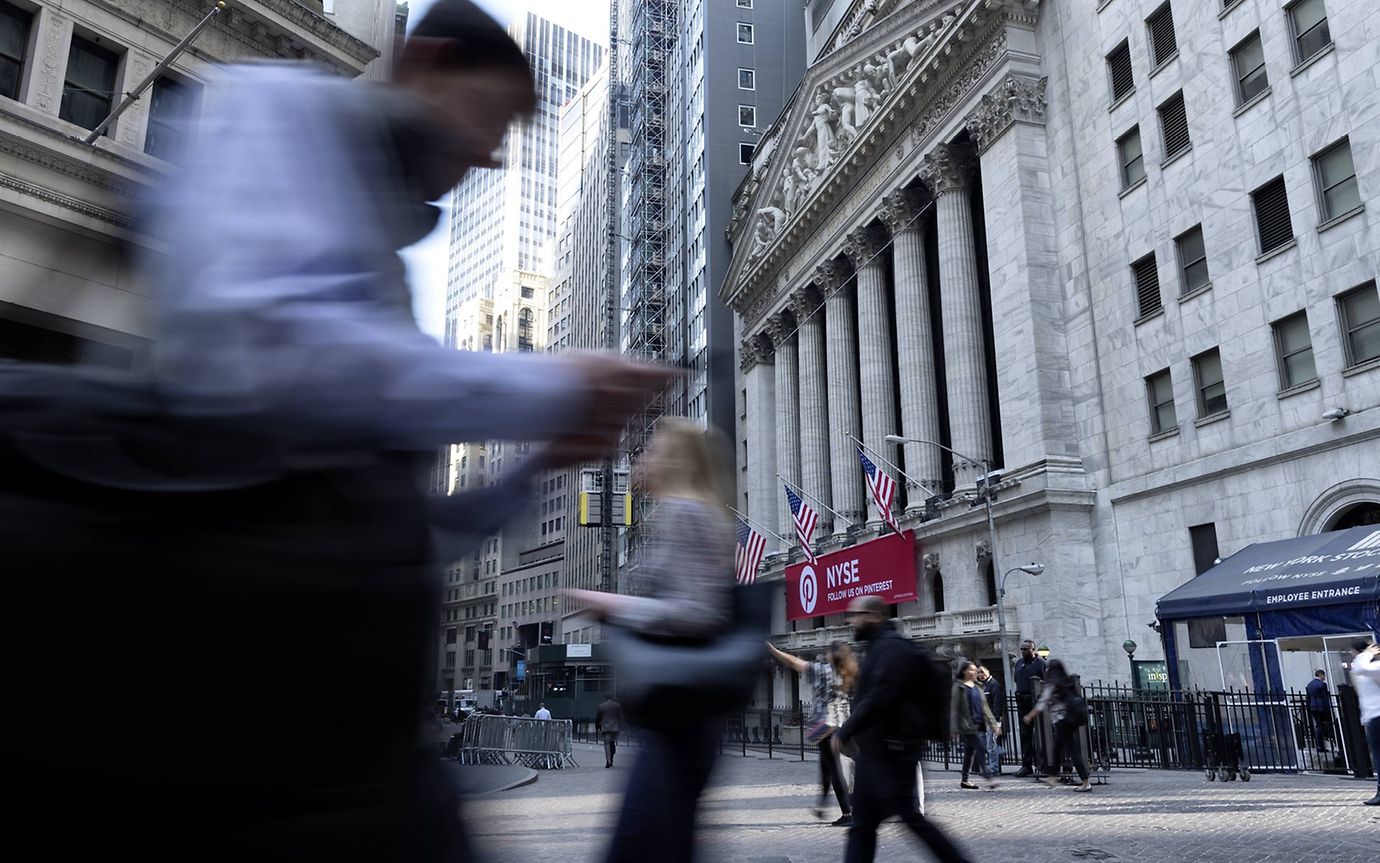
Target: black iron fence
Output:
[(1225, 733)]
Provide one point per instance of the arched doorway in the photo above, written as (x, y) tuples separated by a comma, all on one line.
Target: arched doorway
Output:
[(1357, 515)]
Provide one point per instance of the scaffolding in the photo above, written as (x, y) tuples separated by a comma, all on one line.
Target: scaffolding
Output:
[(651, 45)]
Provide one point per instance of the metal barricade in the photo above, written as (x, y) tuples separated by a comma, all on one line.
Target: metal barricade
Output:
[(542, 744)]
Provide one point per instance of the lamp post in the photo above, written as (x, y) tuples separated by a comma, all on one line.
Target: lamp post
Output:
[(1130, 647), (986, 493), (1028, 569)]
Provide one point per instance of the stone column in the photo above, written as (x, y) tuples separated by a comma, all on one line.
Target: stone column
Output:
[(759, 380), (915, 349), (1032, 330), (814, 401), (51, 44), (865, 247), (782, 331), (945, 171), (840, 321)]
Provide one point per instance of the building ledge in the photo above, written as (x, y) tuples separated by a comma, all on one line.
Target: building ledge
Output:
[(1337, 220), (1276, 251), (1298, 388), (1304, 64), (1196, 292), (944, 624), (1359, 368), (1252, 102)]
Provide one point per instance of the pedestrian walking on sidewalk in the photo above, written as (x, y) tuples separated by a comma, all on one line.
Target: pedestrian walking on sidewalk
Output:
[(608, 724), (831, 683), (1365, 676), (1028, 668), (1069, 713), (970, 718), (887, 723), (683, 586), (996, 699), (542, 712)]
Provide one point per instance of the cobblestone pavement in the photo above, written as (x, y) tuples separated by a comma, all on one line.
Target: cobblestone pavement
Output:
[(757, 811)]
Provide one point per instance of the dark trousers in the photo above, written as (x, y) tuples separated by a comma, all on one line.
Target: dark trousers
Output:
[(1066, 742), (657, 821), (831, 773), (1025, 704), (883, 787), (610, 746), (1373, 738), (1322, 726), (975, 755)]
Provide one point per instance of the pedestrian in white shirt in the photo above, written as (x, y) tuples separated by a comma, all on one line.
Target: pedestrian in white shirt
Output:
[(1365, 676), (542, 713)]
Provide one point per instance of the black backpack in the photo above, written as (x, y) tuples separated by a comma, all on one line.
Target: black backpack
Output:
[(1076, 711), (930, 695)]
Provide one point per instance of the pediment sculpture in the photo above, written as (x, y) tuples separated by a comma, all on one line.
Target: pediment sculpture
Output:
[(839, 109)]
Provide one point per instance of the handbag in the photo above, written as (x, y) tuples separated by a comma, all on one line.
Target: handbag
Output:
[(817, 731), (665, 683)]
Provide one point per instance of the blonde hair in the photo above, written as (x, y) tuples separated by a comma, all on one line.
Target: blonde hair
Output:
[(690, 461)]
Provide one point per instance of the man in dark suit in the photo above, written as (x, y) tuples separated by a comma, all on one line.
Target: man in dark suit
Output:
[(1320, 709), (886, 727), (608, 722)]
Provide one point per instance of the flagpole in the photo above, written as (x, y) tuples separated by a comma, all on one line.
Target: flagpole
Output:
[(815, 499), (889, 463), (760, 527)]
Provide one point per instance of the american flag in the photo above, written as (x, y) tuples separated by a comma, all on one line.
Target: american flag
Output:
[(751, 544), (805, 520), (883, 488)]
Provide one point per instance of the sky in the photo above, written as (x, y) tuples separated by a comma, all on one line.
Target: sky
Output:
[(426, 261)]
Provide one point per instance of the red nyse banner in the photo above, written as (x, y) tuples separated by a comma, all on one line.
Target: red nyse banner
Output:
[(885, 567)]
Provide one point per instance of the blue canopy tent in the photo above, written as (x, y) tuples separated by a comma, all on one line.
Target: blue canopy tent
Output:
[(1307, 587), (1324, 584)]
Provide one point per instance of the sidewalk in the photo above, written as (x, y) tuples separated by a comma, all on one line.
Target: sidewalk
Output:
[(757, 810)]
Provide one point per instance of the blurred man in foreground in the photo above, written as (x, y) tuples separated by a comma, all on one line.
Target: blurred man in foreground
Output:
[(234, 557)]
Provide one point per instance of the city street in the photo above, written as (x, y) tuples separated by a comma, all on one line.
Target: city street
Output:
[(757, 811)]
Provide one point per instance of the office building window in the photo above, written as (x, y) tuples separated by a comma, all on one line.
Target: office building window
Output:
[(747, 79), (89, 88), (1174, 126), (744, 4), (1147, 275), (745, 154), (1203, 538), (1336, 180), (1359, 312), (1131, 158), (1248, 59), (1160, 389), (1212, 389), (1294, 351), (15, 24), (744, 33), (747, 116), (1273, 225), (171, 107), (1193, 268), (1163, 45), (1119, 71), (1308, 21)]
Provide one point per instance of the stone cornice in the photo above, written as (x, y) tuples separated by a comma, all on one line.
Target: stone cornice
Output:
[(1015, 99), (929, 93), (67, 202), (755, 349)]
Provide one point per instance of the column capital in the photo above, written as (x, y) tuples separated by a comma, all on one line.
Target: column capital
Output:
[(862, 245), (756, 349), (804, 302), (900, 208), (828, 276), (780, 327), (1014, 99), (945, 169)]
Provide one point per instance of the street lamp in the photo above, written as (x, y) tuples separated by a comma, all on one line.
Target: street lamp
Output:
[(1043, 651), (986, 493), (1028, 569), (1130, 647)]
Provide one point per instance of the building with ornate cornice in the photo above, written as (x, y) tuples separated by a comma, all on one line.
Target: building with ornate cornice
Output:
[(1123, 251), (68, 289)]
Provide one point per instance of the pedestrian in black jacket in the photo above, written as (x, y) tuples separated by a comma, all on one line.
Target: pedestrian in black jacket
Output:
[(608, 722), (885, 724), (1028, 668)]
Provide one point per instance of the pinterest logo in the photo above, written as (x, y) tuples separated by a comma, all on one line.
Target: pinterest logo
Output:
[(809, 589)]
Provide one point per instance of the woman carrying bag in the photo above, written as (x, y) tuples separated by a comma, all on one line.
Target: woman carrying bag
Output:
[(1068, 712), (681, 653), (831, 685)]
